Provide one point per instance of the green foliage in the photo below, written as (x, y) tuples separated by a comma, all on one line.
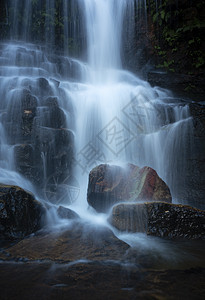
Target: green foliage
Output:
[(190, 87), (178, 34), (167, 65)]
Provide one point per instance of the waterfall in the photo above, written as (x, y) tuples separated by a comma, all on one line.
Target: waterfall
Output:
[(60, 116)]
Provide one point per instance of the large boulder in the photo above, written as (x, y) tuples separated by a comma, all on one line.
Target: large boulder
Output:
[(113, 184), (160, 219), (20, 213)]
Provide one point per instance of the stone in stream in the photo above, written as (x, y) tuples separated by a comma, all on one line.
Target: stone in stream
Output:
[(20, 213), (110, 184), (66, 213), (160, 219), (52, 115)]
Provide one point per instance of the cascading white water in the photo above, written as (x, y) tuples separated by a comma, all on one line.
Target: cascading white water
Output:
[(115, 116), (103, 21), (120, 118)]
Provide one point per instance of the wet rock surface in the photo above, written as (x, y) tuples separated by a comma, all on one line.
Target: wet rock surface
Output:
[(112, 184), (179, 84), (20, 213), (160, 219), (77, 241), (66, 213), (196, 162)]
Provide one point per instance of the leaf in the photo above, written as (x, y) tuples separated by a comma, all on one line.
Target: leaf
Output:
[(191, 41), (155, 17), (162, 13)]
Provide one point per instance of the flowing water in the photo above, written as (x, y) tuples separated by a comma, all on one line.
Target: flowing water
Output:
[(61, 116)]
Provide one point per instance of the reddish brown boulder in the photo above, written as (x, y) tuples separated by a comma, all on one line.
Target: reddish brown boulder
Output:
[(113, 184)]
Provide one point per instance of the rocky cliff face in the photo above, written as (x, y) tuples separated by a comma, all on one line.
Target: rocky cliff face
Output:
[(196, 171)]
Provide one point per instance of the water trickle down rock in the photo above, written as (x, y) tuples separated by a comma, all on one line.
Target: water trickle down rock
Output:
[(36, 125), (113, 184)]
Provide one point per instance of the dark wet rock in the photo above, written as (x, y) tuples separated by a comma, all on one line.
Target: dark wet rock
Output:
[(160, 219), (51, 102), (50, 153), (28, 102), (179, 84), (28, 112), (74, 243), (35, 124), (52, 117), (20, 116), (44, 86), (113, 184), (20, 213), (197, 111), (24, 155), (66, 213), (56, 145), (67, 67), (196, 160)]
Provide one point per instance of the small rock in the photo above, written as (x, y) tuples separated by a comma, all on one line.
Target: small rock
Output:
[(66, 213)]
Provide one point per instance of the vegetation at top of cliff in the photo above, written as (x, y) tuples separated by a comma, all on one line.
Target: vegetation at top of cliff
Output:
[(178, 29)]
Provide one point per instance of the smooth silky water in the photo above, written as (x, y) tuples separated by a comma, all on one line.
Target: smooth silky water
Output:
[(117, 117)]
